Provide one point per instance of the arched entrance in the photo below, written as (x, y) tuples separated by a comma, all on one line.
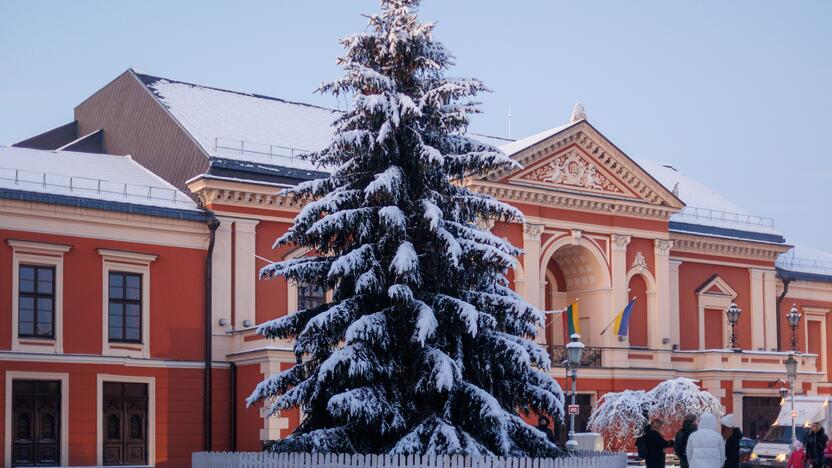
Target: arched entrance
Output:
[(576, 270)]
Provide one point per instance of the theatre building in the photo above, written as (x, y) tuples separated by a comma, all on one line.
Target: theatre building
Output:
[(102, 284), (602, 227)]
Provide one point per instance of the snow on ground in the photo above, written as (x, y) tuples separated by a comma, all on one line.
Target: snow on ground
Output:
[(85, 175)]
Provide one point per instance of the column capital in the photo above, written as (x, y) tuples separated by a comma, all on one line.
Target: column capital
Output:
[(620, 241), (485, 224), (532, 231), (663, 246)]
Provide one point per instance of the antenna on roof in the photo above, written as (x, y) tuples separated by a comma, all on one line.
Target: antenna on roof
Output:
[(578, 113), (509, 122)]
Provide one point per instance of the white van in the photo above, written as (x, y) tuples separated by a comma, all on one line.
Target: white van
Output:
[(773, 448)]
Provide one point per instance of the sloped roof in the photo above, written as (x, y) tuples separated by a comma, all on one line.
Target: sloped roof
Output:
[(114, 180), (805, 263), (243, 126)]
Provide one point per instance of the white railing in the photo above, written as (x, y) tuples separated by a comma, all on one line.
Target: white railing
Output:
[(86, 186), (317, 460), (234, 148), (693, 212), (803, 264)]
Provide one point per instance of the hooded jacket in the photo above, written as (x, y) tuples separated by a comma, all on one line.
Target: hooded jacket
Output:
[(680, 443), (706, 449)]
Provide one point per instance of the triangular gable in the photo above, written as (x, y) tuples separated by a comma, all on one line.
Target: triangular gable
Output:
[(716, 286), (578, 158)]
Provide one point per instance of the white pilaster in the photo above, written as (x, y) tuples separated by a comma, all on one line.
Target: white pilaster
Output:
[(531, 251), (221, 276), (245, 273), (619, 270), (673, 311), (758, 338), (660, 324), (770, 308)]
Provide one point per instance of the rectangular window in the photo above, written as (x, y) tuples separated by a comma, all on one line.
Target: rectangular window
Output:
[(36, 419), (310, 296), (36, 301), (125, 307)]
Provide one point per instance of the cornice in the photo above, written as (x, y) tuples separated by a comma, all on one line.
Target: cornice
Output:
[(612, 159), (733, 248), (559, 199), (241, 193)]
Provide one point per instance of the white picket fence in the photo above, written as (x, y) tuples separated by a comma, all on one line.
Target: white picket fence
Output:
[(310, 460)]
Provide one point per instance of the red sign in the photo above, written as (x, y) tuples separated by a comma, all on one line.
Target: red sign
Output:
[(574, 409), (794, 413)]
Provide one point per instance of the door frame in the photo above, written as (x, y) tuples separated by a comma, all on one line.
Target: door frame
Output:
[(20, 375), (99, 413)]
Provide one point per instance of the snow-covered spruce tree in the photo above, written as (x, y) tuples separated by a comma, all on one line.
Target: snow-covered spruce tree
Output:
[(423, 348)]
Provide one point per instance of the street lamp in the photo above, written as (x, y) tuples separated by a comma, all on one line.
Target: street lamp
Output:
[(791, 372), (793, 318), (733, 313), (574, 349)]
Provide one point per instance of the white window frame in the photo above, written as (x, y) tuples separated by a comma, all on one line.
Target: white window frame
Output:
[(43, 254), (128, 262), (99, 413), (720, 301), (20, 375), (292, 288)]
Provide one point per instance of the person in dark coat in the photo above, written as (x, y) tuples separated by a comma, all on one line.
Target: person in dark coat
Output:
[(732, 435), (543, 426), (655, 445), (815, 443), (680, 442)]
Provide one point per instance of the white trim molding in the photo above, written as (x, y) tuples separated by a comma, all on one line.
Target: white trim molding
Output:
[(128, 262), (816, 314), (99, 413), (721, 301), (20, 375), (39, 253)]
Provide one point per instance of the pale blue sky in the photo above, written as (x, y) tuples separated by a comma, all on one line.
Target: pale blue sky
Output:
[(736, 94)]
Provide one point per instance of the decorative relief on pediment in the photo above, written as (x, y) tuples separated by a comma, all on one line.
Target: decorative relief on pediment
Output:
[(573, 170)]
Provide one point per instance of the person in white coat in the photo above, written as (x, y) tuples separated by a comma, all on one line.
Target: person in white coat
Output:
[(706, 448)]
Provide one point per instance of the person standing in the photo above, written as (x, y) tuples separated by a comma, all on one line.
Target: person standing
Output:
[(654, 444), (543, 426), (706, 448), (797, 459), (815, 443), (680, 442), (733, 436)]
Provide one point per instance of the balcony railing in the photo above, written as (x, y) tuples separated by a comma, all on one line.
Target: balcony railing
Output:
[(591, 357)]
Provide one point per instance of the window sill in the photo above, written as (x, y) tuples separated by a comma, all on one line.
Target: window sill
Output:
[(35, 345)]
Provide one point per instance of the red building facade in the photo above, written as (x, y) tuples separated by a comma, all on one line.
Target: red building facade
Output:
[(601, 228)]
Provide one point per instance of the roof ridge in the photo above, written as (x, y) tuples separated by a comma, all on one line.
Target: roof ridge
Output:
[(148, 79)]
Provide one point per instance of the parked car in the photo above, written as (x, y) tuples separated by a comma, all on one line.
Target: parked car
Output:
[(746, 447)]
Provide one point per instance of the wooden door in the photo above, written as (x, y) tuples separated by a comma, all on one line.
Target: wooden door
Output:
[(125, 423), (36, 418), (713, 329)]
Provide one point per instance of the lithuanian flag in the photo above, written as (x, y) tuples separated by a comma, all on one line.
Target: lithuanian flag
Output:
[(571, 322)]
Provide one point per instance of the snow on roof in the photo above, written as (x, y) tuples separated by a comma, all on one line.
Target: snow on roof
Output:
[(802, 259), (704, 206), (243, 126), (523, 143), (85, 175)]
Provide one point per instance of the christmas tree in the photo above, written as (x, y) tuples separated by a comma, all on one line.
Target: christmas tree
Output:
[(423, 348)]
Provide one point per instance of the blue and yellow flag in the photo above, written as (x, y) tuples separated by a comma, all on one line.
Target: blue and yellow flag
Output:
[(621, 322)]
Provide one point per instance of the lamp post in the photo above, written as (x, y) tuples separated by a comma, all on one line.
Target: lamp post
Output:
[(574, 349), (793, 317), (733, 313), (791, 372)]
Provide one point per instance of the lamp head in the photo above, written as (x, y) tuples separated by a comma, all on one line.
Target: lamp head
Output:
[(733, 313), (574, 349), (793, 316), (791, 367)]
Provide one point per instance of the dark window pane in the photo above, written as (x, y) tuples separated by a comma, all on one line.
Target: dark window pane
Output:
[(134, 281), (132, 322), (23, 386), (115, 333), (45, 304), (136, 427), (45, 274), (113, 427), (23, 427), (44, 316), (27, 286), (133, 294), (132, 334), (26, 315), (44, 329), (48, 387), (116, 320), (116, 279), (132, 310), (26, 328), (47, 426), (116, 292), (135, 389), (27, 272)]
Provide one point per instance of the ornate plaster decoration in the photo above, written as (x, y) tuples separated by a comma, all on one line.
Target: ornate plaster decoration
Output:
[(663, 246), (532, 231), (571, 169), (732, 248), (640, 263), (576, 236), (240, 197), (620, 241)]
